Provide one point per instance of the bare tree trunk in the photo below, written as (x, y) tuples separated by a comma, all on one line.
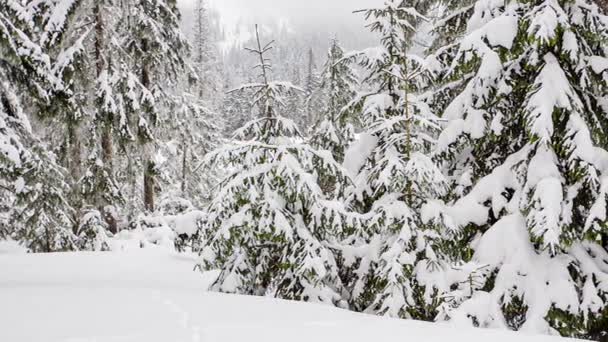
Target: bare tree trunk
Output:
[(185, 169), (106, 133), (107, 144), (149, 166), (132, 179), (267, 110), (149, 180), (408, 127), (109, 214), (47, 238), (99, 38), (149, 184), (75, 159), (74, 166), (603, 4), (200, 18)]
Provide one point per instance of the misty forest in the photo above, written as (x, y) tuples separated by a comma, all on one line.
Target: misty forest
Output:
[(447, 163)]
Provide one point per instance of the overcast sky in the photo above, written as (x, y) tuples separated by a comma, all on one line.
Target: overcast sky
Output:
[(330, 13)]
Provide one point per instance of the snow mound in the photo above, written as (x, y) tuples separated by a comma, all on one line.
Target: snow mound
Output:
[(11, 247), (153, 295)]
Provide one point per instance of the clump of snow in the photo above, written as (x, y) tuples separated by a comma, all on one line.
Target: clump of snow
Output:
[(598, 64), (541, 280), (186, 223), (161, 237), (158, 232), (358, 152), (554, 91)]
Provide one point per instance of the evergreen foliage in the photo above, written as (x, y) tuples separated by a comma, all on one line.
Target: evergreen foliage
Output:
[(466, 183), (397, 179), (33, 192), (524, 87), (268, 221), (335, 128)]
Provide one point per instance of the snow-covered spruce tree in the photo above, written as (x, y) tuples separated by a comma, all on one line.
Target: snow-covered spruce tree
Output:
[(194, 132), (32, 186), (41, 217), (157, 49), (312, 95), (65, 47), (268, 222), (525, 96), (198, 124), (390, 262), (334, 130), (81, 39), (295, 105), (236, 110), (205, 57)]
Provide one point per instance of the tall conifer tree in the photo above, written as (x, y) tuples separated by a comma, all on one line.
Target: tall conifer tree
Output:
[(396, 179), (269, 218), (525, 98), (33, 188)]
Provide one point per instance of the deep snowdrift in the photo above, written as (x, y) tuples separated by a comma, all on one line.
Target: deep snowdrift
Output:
[(154, 296)]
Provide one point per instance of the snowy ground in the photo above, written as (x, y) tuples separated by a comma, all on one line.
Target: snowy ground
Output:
[(154, 296)]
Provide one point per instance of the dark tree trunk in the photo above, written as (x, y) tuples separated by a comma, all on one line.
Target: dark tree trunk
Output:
[(150, 168), (149, 184), (184, 170), (108, 155), (74, 166), (107, 144), (99, 38), (74, 160), (111, 221)]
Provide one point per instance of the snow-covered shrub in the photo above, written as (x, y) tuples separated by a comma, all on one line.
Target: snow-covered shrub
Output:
[(187, 227), (145, 232), (93, 232), (174, 205)]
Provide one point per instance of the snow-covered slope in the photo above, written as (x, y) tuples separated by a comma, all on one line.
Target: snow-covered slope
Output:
[(155, 296)]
